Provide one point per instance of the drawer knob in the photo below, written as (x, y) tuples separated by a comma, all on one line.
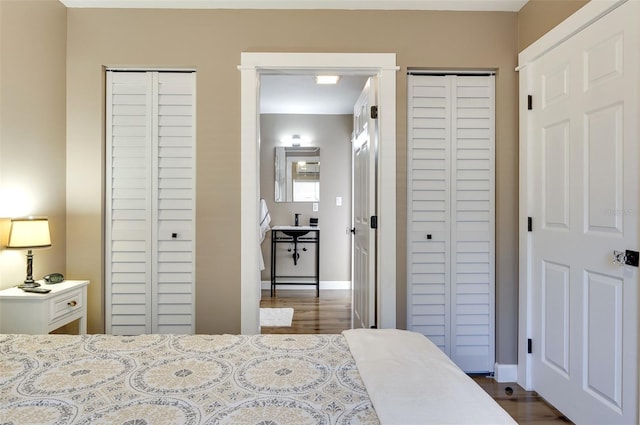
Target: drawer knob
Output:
[(72, 303)]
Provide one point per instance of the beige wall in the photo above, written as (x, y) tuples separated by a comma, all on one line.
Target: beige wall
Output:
[(332, 134), (537, 17), (32, 129), (211, 41)]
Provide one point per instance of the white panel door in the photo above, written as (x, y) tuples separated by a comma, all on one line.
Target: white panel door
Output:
[(585, 198), (450, 193), (150, 244), (364, 207)]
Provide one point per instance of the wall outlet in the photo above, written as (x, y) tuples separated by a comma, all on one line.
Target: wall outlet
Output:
[(338, 201)]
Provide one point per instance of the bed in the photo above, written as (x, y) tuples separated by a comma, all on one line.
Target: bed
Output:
[(357, 377)]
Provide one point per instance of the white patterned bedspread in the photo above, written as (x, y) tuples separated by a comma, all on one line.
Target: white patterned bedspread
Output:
[(188, 379)]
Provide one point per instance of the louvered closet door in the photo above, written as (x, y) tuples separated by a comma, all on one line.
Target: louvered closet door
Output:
[(450, 252), (150, 282)]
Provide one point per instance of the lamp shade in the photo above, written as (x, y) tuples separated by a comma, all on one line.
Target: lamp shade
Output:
[(27, 233)]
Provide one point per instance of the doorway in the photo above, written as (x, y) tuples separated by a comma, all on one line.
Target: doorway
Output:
[(253, 64), (305, 133)]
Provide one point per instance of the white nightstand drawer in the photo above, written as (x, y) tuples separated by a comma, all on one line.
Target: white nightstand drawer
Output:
[(32, 313), (65, 304)]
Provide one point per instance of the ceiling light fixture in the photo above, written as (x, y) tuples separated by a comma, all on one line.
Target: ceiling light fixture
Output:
[(327, 79)]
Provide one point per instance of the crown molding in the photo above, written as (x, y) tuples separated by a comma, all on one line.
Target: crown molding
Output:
[(468, 5)]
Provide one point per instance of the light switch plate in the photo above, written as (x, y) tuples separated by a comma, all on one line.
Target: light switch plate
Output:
[(338, 201), (315, 207)]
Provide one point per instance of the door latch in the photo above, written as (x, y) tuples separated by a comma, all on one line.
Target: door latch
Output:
[(631, 258)]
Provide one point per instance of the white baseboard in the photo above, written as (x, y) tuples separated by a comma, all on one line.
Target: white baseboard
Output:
[(324, 284), (506, 373)]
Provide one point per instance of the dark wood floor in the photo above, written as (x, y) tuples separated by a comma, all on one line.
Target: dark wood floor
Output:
[(328, 314), (331, 314)]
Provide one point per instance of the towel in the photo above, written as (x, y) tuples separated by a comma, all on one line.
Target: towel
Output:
[(265, 220)]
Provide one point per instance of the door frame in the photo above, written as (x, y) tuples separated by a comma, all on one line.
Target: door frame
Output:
[(581, 19), (252, 65)]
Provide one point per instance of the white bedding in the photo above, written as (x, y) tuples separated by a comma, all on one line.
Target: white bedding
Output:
[(411, 381)]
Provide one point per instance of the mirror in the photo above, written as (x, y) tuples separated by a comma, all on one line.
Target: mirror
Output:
[(297, 172)]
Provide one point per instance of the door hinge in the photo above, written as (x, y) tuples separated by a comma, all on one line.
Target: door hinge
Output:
[(529, 224), (374, 221), (530, 102), (374, 112), (529, 346)]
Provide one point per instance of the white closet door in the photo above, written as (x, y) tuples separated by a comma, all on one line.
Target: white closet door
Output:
[(174, 236), (451, 215), (150, 203), (473, 223), (429, 211), (128, 225)]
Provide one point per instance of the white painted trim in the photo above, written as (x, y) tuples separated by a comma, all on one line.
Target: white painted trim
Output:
[(582, 18), (252, 64), (145, 69), (473, 5), (505, 372), (249, 203), (524, 237), (324, 284)]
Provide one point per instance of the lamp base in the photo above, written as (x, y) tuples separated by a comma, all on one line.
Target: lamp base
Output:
[(29, 285)]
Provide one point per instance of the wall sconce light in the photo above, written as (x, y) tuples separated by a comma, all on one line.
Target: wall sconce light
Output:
[(295, 140), (29, 233)]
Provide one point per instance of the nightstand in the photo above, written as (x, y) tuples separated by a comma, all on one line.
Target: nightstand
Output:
[(32, 313)]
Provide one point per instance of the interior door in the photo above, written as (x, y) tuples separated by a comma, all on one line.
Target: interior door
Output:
[(585, 198), (364, 208)]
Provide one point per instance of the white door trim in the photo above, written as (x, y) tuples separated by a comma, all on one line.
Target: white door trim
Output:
[(584, 17), (252, 64)]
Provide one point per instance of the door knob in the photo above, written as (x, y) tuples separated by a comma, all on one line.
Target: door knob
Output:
[(619, 258), (628, 257)]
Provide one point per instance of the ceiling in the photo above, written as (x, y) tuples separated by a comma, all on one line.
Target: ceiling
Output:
[(299, 94)]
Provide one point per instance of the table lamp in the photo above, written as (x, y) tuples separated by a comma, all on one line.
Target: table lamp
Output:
[(29, 233)]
